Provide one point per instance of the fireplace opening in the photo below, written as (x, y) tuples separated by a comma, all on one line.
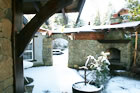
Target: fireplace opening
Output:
[(114, 55)]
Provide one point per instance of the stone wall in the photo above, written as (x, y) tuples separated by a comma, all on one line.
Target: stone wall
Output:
[(80, 49), (114, 35), (6, 62)]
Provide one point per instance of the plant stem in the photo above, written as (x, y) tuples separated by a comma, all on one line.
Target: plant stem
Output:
[(85, 76)]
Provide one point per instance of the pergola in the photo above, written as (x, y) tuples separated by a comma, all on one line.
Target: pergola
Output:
[(43, 9)]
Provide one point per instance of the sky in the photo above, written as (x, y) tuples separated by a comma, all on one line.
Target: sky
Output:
[(92, 6)]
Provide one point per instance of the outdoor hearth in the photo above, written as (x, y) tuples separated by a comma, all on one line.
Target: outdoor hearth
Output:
[(114, 55), (120, 54)]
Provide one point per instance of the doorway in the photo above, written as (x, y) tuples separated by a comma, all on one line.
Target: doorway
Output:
[(60, 52)]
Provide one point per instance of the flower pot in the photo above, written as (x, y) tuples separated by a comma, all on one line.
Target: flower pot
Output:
[(29, 88), (80, 87)]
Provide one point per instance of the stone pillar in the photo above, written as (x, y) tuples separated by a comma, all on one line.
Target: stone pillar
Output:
[(47, 52), (6, 61)]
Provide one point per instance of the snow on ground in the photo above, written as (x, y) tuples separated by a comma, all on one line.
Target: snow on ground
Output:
[(61, 60), (53, 79), (121, 84), (59, 78)]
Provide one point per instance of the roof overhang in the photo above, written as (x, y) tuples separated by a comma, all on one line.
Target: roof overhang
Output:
[(128, 26), (33, 6)]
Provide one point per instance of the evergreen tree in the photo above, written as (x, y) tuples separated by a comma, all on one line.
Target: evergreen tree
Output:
[(97, 20), (134, 9)]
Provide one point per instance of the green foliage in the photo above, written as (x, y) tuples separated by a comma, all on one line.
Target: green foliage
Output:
[(46, 26), (101, 75), (133, 42), (99, 67), (134, 9), (59, 20), (97, 20), (79, 24)]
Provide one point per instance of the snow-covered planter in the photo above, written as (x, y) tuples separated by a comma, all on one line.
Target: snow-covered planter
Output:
[(99, 74), (80, 87)]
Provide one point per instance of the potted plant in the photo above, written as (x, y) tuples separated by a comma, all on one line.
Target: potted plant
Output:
[(99, 74)]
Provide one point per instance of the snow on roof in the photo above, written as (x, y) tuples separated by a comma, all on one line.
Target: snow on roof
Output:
[(116, 26), (76, 30), (90, 28)]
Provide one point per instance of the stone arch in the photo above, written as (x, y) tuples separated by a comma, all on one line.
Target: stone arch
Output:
[(47, 47), (64, 36)]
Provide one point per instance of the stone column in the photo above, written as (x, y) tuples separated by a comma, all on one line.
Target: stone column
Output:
[(6, 61), (47, 52)]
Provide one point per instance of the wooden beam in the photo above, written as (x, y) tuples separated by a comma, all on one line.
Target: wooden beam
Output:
[(114, 41), (81, 8), (34, 0), (17, 62), (64, 17), (135, 51), (138, 28), (36, 6), (26, 34)]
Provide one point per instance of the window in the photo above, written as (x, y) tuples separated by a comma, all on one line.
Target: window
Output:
[(28, 53)]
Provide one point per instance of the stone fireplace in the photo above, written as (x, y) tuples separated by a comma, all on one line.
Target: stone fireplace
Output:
[(80, 49), (120, 53)]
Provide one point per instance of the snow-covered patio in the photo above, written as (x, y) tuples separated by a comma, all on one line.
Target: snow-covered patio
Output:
[(52, 79), (59, 79)]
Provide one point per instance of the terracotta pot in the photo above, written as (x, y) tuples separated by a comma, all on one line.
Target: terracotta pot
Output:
[(76, 90)]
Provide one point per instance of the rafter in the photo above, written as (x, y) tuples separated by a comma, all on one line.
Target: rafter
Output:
[(26, 34), (80, 10)]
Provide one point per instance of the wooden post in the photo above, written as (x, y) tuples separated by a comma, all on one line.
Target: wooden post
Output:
[(17, 61), (135, 51)]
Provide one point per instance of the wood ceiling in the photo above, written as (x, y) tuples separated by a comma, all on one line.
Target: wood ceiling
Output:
[(34, 6)]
